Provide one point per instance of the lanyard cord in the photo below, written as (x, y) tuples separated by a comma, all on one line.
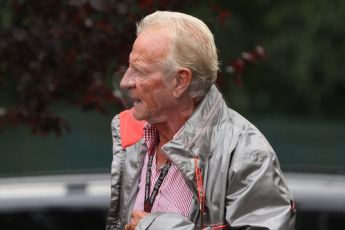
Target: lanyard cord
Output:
[(149, 199)]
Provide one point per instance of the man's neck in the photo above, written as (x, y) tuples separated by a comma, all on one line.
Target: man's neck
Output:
[(166, 131), (168, 128)]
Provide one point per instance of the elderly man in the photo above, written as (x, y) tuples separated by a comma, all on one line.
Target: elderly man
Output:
[(181, 158)]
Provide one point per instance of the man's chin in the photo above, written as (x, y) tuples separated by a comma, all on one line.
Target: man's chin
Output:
[(140, 116), (149, 117), (157, 120)]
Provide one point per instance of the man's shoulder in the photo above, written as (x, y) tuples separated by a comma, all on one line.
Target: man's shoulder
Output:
[(230, 119), (242, 131)]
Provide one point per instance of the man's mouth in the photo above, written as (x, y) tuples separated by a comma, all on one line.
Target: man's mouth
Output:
[(136, 101)]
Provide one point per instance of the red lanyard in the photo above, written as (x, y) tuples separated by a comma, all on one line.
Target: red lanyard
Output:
[(200, 186), (149, 199)]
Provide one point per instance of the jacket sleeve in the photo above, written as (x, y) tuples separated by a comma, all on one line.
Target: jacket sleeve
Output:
[(113, 220), (257, 196)]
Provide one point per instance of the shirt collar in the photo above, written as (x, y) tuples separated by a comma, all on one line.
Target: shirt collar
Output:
[(151, 138)]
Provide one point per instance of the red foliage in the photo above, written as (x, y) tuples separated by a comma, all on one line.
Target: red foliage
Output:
[(63, 53), (58, 53), (237, 66), (222, 14)]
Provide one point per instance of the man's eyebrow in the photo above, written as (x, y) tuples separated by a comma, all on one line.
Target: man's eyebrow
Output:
[(135, 66), (139, 66)]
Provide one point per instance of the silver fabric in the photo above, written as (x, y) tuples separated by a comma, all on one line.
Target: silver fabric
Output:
[(243, 183)]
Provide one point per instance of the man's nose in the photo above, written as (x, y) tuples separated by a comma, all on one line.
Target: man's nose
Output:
[(127, 81)]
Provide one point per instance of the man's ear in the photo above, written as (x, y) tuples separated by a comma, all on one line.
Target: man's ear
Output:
[(183, 81)]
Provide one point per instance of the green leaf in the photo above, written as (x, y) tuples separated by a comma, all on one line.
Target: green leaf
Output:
[(6, 17)]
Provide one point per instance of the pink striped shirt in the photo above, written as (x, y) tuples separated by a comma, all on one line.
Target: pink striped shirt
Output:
[(174, 194)]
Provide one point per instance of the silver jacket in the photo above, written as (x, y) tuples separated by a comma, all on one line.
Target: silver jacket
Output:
[(243, 182)]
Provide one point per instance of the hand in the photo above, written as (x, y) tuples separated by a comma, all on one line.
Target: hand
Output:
[(136, 216)]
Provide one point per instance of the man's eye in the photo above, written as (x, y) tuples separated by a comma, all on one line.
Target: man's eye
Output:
[(134, 72)]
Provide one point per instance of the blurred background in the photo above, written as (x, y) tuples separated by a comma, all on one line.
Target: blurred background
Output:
[(282, 67)]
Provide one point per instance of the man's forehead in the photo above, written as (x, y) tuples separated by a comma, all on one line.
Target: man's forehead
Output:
[(150, 47)]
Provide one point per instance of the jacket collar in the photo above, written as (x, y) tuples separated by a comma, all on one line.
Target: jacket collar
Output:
[(194, 139)]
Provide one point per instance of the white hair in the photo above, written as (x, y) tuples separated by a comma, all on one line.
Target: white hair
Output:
[(192, 47)]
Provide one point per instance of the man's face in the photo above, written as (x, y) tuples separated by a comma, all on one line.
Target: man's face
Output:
[(145, 80)]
